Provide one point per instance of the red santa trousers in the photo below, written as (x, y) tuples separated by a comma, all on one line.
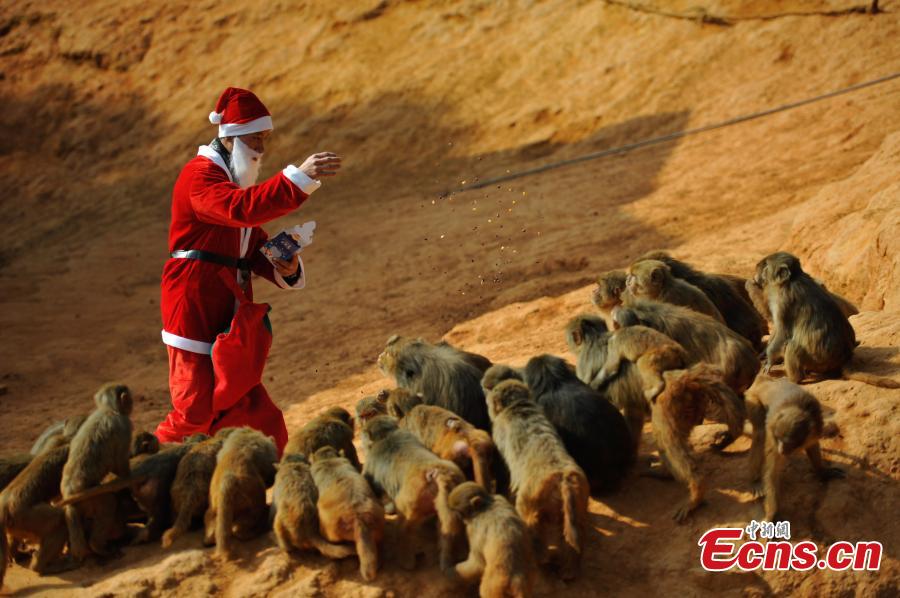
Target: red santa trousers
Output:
[(191, 383)]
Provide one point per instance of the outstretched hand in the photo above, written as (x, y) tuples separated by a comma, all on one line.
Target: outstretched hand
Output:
[(321, 164)]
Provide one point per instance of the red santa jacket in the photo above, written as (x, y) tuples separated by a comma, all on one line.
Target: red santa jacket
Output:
[(212, 213)]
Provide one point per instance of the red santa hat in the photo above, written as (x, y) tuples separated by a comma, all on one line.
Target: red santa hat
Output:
[(240, 112)]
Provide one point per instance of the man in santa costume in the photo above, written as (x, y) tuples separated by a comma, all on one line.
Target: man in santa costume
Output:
[(217, 210)]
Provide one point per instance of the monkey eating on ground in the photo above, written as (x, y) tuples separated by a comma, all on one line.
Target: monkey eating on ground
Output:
[(59, 431), (443, 374), (592, 429), (499, 547), (245, 468), (785, 420), (551, 489), (417, 481), (333, 427), (446, 434), (651, 351), (26, 513), (102, 445), (190, 488), (652, 279), (726, 294), (810, 331), (610, 293), (295, 519), (348, 509)]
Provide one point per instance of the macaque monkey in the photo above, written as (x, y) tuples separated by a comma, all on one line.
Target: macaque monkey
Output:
[(416, 480), (551, 490), (245, 468), (26, 513), (591, 428), (499, 547), (726, 293), (652, 279), (810, 331), (785, 420), (190, 488), (650, 350), (295, 518), (446, 434), (444, 375), (332, 427), (348, 509), (610, 292), (101, 446)]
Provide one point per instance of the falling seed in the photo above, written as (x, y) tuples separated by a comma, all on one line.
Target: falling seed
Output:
[(432, 202), (489, 221), (514, 202), (523, 193), (442, 236), (462, 182)]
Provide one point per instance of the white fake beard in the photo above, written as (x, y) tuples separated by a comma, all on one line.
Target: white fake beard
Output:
[(245, 162)]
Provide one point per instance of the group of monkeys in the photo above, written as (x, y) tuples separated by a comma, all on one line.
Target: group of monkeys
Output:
[(671, 344)]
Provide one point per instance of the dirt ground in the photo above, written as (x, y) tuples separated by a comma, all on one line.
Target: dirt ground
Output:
[(104, 101)]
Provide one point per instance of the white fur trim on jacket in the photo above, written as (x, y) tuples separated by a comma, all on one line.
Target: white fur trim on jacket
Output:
[(263, 123), (301, 179), (187, 344), (301, 282)]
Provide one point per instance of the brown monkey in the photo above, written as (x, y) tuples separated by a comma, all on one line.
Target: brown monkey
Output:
[(626, 389), (702, 338), (295, 519), (399, 401), (102, 445), (245, 468), (417, 481), (26, 513), (785, 419), (144, 443), (551, 489), (688, 396), (348, 509), (444, 375), (757, 296), (499, 547), (652, 279), (150, 483), (11, 466), (725, 293), (369, 407), (190, 488), (61, 430), (610, 293), (591, 428), (809, 329), (332, 427), (650, 350), (447, 435)]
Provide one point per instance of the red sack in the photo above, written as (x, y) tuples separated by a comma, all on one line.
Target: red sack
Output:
[(239, 354)]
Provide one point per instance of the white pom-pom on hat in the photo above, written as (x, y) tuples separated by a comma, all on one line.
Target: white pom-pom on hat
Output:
[(215, 118)]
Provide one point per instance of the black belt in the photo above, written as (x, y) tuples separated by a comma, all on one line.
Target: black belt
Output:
[(215, 258)]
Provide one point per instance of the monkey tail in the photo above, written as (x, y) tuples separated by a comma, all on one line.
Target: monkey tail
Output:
[(450, 523), (367, 549), (225, 515), (179, 528), (571, 525), (104, 488), (329, 549), (849, 373)]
